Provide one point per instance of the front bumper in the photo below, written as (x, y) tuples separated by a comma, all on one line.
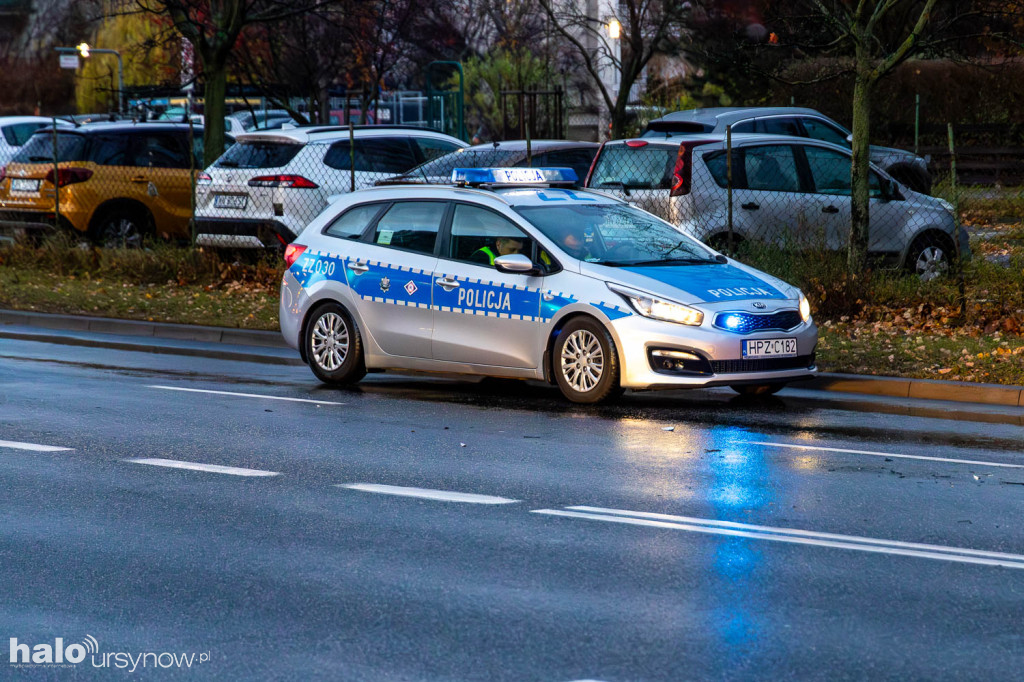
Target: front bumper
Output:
[(719, 354)]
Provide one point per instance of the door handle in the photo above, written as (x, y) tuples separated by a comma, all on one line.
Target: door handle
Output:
[(750, 206), (830, 209), (358, 268), (447, 283), (139, 179)]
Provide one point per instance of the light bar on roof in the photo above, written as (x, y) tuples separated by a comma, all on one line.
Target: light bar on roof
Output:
[(513, 176)]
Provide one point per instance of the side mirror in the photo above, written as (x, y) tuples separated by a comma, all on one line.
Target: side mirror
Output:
[(719, 258), (891, 190), (514, 263), (849, 138)]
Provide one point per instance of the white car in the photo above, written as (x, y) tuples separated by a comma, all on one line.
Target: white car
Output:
[(15, 131), (269, 185), (791, 192)]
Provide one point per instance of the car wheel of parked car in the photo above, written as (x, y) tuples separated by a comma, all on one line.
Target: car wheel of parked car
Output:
[(929, 257), (758, 389), (123, 229), (334, 347), (585, 362)]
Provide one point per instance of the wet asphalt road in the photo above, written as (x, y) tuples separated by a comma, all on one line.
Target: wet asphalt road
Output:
[(886, 546)]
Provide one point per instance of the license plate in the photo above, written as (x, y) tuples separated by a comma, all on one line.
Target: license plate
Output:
[(230, 201), (24, 185), (769, 348)]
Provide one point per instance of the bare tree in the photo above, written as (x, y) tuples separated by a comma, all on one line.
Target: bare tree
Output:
[(622, 42)]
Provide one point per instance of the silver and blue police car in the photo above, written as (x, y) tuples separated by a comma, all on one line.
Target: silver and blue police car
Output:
[(505, 273)]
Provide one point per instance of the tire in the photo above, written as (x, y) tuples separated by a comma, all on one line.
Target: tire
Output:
[(334, 347), (758, 389), (929, 257), (122, 229), (586, 365)]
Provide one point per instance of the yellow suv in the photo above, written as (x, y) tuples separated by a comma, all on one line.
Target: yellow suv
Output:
[(117, 183)]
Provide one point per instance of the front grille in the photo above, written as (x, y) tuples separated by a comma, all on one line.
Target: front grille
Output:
[(745, 323), (761, 364)]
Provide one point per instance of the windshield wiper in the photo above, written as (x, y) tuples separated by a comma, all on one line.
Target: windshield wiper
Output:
[(40, 158), (615, 183), (676, 261)]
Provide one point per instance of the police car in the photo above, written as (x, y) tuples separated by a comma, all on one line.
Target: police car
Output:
[(507, 272)]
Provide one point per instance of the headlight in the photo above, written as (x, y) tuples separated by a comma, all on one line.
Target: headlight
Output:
[(945, 204), (805, 309), (658, 309)]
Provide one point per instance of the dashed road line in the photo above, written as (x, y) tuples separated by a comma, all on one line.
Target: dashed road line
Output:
[(35, 447), (428, 494), (884, 454), (246, 395), (789, 535), (198, 466)]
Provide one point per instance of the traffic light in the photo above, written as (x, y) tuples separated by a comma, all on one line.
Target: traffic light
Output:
[(83, 49)]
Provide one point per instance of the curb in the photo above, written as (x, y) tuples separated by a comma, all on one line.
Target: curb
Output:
[(890, 387)]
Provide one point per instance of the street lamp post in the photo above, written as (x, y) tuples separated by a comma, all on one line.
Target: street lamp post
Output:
[(85, 51)]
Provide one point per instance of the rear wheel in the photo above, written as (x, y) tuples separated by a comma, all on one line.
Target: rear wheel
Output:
[(758, 389), (334, 347), (586, 364), (122, 229)]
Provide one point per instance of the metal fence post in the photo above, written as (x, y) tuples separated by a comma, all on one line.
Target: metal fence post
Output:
[(957, 265), (351, 156), (56, 179), (728, 180), (192, 177)]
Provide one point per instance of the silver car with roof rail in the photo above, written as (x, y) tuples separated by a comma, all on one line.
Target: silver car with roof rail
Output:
[(508, 273)]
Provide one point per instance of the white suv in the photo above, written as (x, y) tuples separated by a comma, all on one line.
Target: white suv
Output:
[(791, 192), (269, 185)]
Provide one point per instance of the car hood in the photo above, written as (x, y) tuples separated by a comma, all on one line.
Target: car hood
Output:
[(890, 154), (711, 283)]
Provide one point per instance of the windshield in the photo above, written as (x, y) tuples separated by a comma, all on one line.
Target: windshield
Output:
[(616, 235), (39, 148)]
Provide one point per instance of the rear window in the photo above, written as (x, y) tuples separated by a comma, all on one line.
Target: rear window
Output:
[(19, 133), (258, 154), (648, 167), (39, 148)]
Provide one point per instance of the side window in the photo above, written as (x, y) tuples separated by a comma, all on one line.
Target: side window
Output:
[(109, 150), (772, 168), (717, 166), (386, 155), (160, 150), (779, 126), (830, 171), (411, 225), (480, 235), (819, 130), (339, 156), (18, 134), (431, 149), (743, 127), (874, 184), (353, 223)]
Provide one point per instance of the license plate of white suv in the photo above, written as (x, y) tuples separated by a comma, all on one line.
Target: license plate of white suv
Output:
[(769, 348), (230, 201)]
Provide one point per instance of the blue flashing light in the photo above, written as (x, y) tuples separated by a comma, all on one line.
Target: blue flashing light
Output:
[(513, 176), (732, 321)]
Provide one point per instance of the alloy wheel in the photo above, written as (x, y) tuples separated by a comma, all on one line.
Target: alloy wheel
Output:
[(582, 361)]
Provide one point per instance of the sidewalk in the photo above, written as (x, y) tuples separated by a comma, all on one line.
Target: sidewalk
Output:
[(270, 348)]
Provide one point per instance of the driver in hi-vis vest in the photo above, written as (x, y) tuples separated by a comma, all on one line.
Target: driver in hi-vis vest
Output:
[(502, 247)]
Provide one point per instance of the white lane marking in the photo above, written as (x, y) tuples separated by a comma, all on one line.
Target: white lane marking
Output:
[(196, 466), (15, 445), (797, 532), (247, 395), (884, 454), (1018, 561), (427, 493)]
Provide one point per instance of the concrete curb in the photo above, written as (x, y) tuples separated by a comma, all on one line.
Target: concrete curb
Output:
[(891, 387)]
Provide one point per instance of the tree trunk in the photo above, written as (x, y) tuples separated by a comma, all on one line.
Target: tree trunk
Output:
[(214, 89), (860, 173)]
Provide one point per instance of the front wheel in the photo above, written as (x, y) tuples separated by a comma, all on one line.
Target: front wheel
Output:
[(929, 258), (586, 364), (334, 348), (758, 389)]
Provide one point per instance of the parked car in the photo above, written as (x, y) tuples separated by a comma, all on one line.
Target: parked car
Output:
[(906, 167), (791, 192), (266, 188), (16, 130), (575, 288), (116, 182), (512, 153), (262, 119)]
